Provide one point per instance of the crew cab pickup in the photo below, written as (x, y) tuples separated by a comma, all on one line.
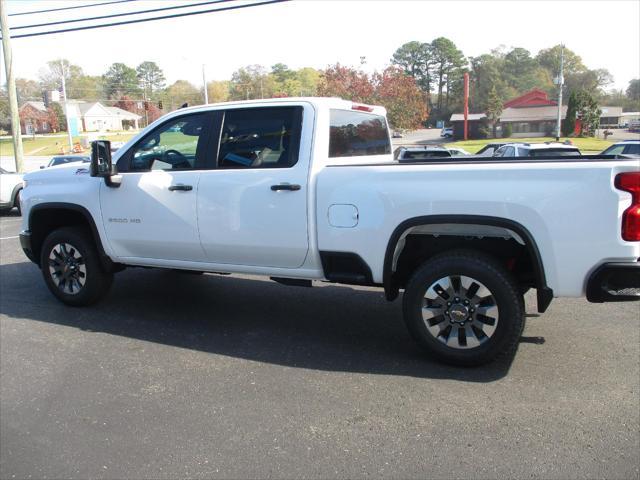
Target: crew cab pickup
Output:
[(306, 189)]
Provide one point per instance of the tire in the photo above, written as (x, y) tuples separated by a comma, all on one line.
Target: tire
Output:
[(16, 202), (76, 259), (483, 320)]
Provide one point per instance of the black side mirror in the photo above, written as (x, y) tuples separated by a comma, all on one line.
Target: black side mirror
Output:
[(101, 165)]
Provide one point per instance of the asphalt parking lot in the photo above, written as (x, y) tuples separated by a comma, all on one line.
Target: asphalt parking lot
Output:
[(177, 375)]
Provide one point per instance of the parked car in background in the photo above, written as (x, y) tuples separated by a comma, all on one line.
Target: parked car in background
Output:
[(64, 159), (418, 154), (447, 132), (10, 188), (537, 150), (397, 134), (627, 147), (116, 145), (489, 149), (457, 151)]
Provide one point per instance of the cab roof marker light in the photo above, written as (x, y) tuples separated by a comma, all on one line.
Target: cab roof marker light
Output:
[(360, 107)]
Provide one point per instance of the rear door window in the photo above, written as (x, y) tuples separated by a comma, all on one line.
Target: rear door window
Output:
[(260, 138), (632, 149), (353, 134)]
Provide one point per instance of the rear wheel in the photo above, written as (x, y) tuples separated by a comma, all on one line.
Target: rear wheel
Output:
[(464, 308), (71, 267)]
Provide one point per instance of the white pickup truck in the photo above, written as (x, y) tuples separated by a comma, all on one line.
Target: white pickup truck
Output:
[(305, 189)]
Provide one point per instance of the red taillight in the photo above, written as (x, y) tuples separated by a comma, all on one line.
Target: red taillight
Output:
[(630, 182), (360, 107)]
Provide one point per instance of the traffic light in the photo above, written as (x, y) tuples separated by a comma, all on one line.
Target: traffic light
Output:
[(160, 104), (146, 106)]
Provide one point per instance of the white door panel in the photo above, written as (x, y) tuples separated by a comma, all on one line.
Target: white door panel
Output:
[(244, 222), (143, 218)]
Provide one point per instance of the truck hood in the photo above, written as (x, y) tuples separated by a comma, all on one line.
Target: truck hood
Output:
[(59, 173)]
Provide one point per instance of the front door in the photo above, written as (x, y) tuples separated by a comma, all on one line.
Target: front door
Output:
[(252, 209), (153, 213)]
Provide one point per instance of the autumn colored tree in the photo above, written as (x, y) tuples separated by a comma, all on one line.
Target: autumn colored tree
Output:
[(55, 110), (399, 93), (392, 88), (126, 103), (346, 82), (53, 119)]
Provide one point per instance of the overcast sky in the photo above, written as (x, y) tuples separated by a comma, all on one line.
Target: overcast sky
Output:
[(606, 34)]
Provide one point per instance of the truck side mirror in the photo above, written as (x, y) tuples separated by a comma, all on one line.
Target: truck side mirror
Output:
[(101, 165)]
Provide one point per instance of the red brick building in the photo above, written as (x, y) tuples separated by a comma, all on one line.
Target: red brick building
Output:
[(36, 118)]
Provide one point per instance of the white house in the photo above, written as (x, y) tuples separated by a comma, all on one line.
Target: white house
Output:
[(95, 117)]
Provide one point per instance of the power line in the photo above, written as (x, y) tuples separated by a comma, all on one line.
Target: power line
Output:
[(75, 20), (69, 8), (127, 22)]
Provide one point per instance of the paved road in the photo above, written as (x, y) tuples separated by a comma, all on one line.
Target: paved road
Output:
[(177, 375)]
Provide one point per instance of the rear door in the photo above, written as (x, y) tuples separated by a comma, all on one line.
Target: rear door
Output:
[(252, 209)]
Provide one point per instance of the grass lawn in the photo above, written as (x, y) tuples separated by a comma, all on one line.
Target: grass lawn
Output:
[(52, 145), (586, 145)]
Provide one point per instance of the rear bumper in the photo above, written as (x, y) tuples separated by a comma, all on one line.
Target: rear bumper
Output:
[(25, 243), (614, 282)]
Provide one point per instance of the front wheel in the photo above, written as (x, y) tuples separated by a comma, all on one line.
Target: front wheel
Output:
[(464, 308), (71, 267)]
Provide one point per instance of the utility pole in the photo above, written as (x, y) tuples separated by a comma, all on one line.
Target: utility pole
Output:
[(66, 107), (16, 134), (204, 82), (466, 106), (560, 84)]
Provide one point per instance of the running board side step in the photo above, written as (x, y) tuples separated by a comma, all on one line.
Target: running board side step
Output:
[(292, 282)]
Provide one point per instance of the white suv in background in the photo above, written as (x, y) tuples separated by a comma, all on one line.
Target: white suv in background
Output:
[(627, 147), (10, 187), (537, 150)]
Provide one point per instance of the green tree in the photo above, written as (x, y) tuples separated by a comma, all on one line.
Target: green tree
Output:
[(151, 78), (218, 91), (447, 60), (415, 59), (308, 78), (633, 90), (251, 82), (521, 72), (493, 109), (120, 80), (51, 75), (86, 87), (180, 92), (588, 112), (569, 122), (28, 90), (5, 117), (592, 81), (486, 73), (549, 58)]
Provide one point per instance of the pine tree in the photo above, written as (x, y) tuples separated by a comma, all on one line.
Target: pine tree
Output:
[(493, 110), (569, 122)]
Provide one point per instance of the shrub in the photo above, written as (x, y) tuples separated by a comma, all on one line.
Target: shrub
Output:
[(506, 130)]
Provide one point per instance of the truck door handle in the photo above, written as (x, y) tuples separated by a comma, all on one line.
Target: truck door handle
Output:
[(180, 186), (285, 186)]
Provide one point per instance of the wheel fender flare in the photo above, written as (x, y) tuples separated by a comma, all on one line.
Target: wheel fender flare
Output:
[(544, 293), (105, 260)]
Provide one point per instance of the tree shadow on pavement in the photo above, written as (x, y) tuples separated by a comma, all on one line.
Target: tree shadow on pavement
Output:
[(330, 328)]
